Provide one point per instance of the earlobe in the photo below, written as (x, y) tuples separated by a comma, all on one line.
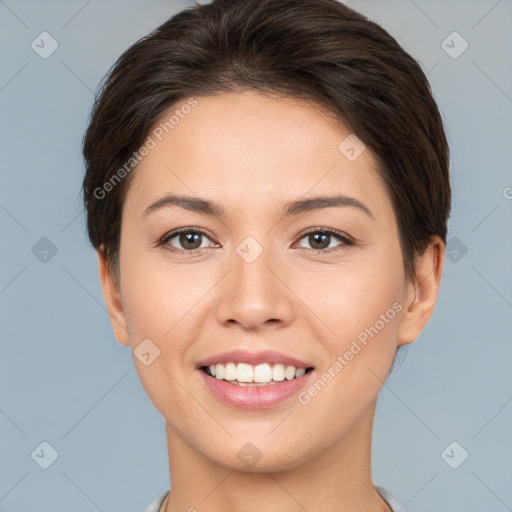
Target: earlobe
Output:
[(422, 293), (113, 302)]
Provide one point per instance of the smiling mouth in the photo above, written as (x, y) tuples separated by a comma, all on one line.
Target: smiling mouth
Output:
[(243, 374)]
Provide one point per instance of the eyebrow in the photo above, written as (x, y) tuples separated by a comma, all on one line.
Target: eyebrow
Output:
[(207, 207)]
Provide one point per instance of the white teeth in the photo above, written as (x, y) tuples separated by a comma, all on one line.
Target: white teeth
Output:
[(278, 372), (289, 373), (230, 371), (219, 371), (263, 373), (245, 374)]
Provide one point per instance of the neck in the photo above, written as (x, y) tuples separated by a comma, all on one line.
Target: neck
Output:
[(336, 478)]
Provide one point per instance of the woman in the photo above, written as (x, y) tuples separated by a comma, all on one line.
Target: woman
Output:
[(267, 188)]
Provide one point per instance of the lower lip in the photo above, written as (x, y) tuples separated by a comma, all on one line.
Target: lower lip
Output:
[(254, 397)]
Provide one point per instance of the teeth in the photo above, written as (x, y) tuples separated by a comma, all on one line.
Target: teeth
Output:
[(230, 371), (300, 372), (278, 372), (245, 374), (262, 373), (219, 371), (289, 373)]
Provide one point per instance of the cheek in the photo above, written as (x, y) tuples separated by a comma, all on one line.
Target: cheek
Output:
[(153, 297), (155, 310), (161, 303), (363, 310), (361, 302)]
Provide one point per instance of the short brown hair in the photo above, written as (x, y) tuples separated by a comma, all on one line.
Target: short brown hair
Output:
[(317, 50)]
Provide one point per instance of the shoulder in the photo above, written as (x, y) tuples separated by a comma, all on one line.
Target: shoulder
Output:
[(389, 499), (155, 505)]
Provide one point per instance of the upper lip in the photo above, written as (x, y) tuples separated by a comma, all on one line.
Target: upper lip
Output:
[(253, 358)]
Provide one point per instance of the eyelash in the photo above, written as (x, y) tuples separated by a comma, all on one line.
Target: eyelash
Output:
[(345, 240)]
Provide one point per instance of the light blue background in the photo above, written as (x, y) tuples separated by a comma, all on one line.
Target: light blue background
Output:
[(65, 380)]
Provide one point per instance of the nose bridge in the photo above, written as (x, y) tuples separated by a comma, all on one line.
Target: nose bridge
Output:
[(253, 294), (251, 262)]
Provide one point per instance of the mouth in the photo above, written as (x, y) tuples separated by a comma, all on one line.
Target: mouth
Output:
[(254, 380), (270, 380), (244, 374)]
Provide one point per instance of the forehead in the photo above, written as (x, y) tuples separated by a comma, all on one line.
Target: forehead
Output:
[(249, 151)]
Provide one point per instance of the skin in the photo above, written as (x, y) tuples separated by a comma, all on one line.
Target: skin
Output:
[(251, 154)]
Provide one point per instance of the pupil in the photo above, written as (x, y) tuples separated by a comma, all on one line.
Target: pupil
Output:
[(190, 238), (316, 239)]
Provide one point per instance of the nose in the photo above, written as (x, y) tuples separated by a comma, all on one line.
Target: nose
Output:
[(254, 294)]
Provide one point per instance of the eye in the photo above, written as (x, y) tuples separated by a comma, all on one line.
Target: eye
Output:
[(320, 239), (189, 239)]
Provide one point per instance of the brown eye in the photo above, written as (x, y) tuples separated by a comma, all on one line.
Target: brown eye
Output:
[(190, 240), (186, 240), (321, 240)]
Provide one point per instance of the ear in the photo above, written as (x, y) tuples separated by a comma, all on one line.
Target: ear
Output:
[(422, 292), (113, 302)]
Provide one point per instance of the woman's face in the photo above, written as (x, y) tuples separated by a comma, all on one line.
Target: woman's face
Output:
[(265, 277)]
